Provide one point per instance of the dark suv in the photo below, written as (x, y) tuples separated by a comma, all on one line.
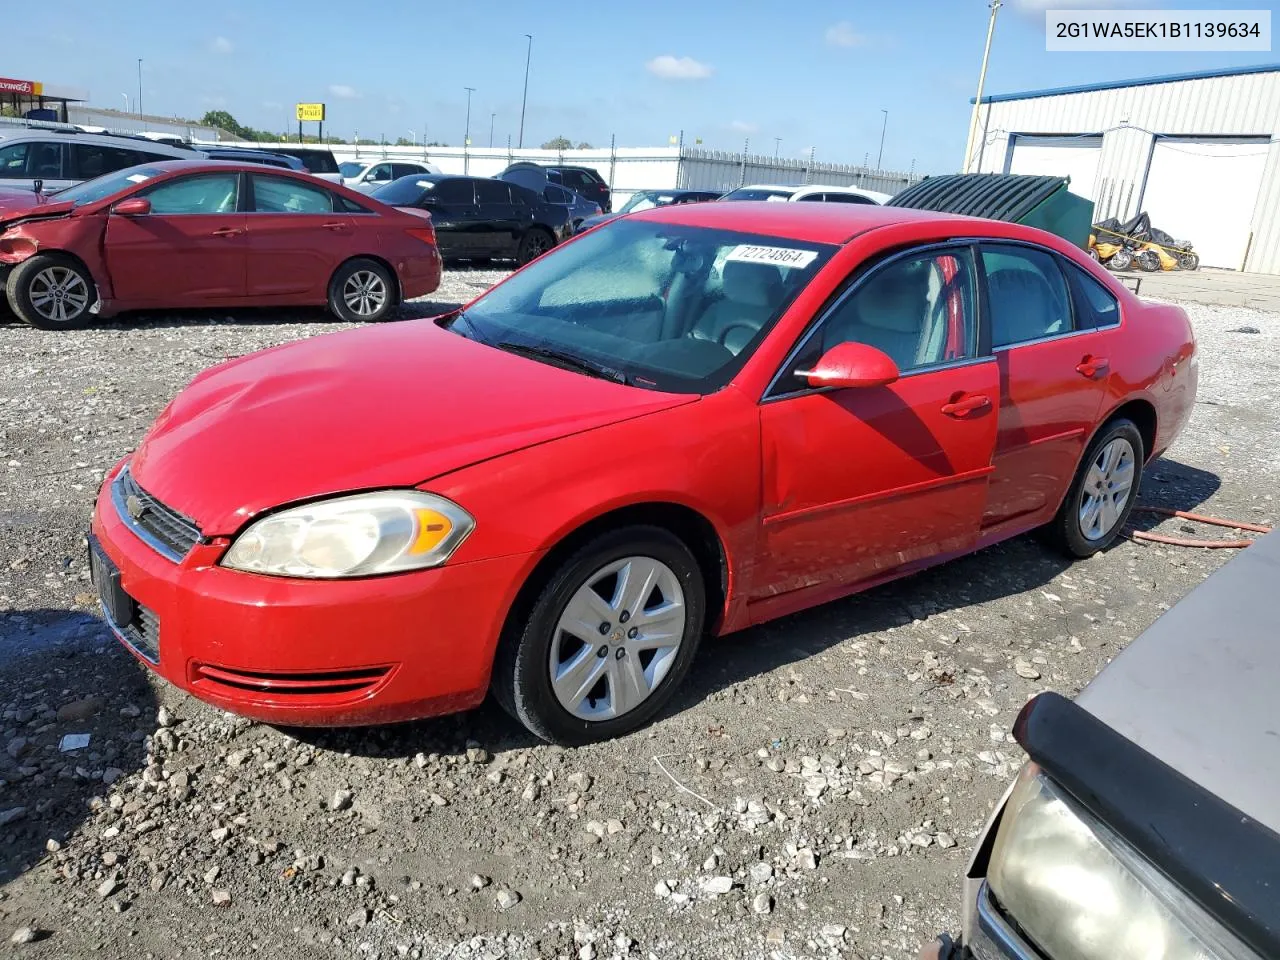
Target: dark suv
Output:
[(581, 180)]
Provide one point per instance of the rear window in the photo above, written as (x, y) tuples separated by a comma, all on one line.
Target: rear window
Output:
[(403, 193), (755, 193), (316, 161)]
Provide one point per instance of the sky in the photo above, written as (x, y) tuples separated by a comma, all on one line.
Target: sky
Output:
[(816, 75)]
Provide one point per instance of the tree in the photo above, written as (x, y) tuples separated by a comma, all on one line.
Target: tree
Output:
[(223, 120), (559, 143), (585, 146)]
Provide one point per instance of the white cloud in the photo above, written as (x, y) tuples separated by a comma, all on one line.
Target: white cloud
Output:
[(343, 92), (744, 126), (678, 68), (843, 34), (220, 45)]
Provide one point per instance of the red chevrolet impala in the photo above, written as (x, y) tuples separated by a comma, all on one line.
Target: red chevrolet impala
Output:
[(187, 233), (684, 422)]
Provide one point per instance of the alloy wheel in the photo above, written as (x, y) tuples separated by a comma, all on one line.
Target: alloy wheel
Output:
[(364, 293), (1107, 488), (617, 638), (59, 294)]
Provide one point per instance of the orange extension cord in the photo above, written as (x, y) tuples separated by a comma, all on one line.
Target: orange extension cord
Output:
[(1197, 518)]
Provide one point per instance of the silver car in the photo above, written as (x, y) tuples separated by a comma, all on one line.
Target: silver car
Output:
[(1146, 823), (63, 158)]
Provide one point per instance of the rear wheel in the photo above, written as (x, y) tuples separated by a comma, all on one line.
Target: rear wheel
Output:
[(534, 244), (1122, 259), (1148, 261), (607, 640), (1189, 261), (362, 291), (1102, 494), (52, 292)]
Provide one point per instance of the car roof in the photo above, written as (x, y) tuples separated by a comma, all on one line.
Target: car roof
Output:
[(813, 222), (100, 140), (198, 165)]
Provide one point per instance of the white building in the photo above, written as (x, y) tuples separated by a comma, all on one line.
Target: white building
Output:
[(1197, 151)]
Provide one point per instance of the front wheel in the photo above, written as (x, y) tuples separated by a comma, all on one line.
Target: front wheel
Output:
[(534, 244), (607, 640), (1102, 494), (1122, 259), (362, 291), (51, 292)]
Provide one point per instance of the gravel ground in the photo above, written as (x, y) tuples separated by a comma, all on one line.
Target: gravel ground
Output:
[(813, 792)]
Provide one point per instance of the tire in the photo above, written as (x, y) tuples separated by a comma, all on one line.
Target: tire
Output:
[(587, 707), (534, 244), (1148, 261), (52, 292), (1122, 259), (1072, 530), (362, 291), (1189, 261)]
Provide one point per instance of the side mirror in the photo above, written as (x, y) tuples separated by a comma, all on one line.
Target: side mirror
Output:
[(852, 365), (133, 207)]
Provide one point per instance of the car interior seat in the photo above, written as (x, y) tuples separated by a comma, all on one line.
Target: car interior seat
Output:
[(1024, 307), (887, 312), (752, 291)]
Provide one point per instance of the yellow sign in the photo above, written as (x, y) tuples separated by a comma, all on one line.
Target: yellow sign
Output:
[(311, 111)]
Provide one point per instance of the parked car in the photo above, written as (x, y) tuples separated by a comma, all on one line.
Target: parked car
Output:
[(209, 234), (583, 180), (579, 207), (479, 218), (810, 192), (255, 156), (1147, 821), (63, 158), (368, 175), (316, 159), (695, 419), (648, 199)]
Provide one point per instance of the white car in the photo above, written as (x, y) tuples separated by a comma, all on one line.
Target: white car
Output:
[(807, 191), (368, 175), (63, 158)]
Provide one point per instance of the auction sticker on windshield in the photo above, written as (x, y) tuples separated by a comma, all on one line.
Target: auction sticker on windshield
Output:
[(786, 257)]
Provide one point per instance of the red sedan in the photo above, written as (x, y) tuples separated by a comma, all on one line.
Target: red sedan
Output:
[(209, 234), (687, 421)]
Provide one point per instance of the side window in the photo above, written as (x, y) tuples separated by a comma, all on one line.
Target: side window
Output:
[(456, 193), (285, 195), (1027, 295), (13, 161), (847, 198), (554, 194), (1095, 304), (47, 161), (812, 197), (399, 170), (210, 193), (492, 191), (90, 160), (349, 206), (379, 173), (917, 309)]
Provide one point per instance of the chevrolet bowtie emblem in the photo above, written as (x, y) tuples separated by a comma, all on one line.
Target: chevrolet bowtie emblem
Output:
[(135, 507)]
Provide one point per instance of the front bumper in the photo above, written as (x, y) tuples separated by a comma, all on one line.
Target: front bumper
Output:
[(311, 652)]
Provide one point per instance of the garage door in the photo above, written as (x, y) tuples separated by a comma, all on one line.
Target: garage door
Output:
[(1204, 191), (1074, 157)]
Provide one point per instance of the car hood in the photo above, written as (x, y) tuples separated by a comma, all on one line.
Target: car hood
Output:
[(16, 204), (390, 406), (1197, 689)]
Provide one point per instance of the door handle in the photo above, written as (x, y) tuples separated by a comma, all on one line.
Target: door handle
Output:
[(966, 405), (228, 232), (334, 226), (1091, 366)]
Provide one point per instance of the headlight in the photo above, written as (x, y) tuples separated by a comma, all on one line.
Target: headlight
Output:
[(1079, 892), (356, 536)]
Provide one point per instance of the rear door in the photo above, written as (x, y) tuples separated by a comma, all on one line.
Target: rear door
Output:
[(1053, 377), (455, 216), (498, 226), (189, 251), (296, 238)]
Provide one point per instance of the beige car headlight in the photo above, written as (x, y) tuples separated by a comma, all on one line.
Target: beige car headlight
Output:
[(1079, 892), (355, 536)]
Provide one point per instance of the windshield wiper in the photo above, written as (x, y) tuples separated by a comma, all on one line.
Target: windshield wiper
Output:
[(473, 330), (564, 359)]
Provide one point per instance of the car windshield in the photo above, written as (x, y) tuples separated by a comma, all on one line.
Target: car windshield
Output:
[(663, 306), (646, 201), (93, 190), (403, 192), (757, 193), (350, 168)]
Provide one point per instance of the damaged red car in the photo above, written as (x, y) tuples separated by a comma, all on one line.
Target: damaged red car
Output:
[(184, 234), (685, 422)]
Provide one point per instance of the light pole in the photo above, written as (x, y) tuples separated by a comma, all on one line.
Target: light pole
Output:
[(777, 142), (466, 139), (126, 103), (883, 128), (413, 137), (491, 117), (141, 116), (982, 77), (528, 55)]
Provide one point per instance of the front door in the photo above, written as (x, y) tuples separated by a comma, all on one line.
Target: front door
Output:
[(1053, 374), (189, 251), (296, 239), (861, 482), (455, 216)]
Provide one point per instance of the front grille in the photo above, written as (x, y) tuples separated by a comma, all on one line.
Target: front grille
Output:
[(166, 530), (300, 686), (143, 633)]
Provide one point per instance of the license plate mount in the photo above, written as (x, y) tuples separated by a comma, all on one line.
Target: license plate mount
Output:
[(120, 608)]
